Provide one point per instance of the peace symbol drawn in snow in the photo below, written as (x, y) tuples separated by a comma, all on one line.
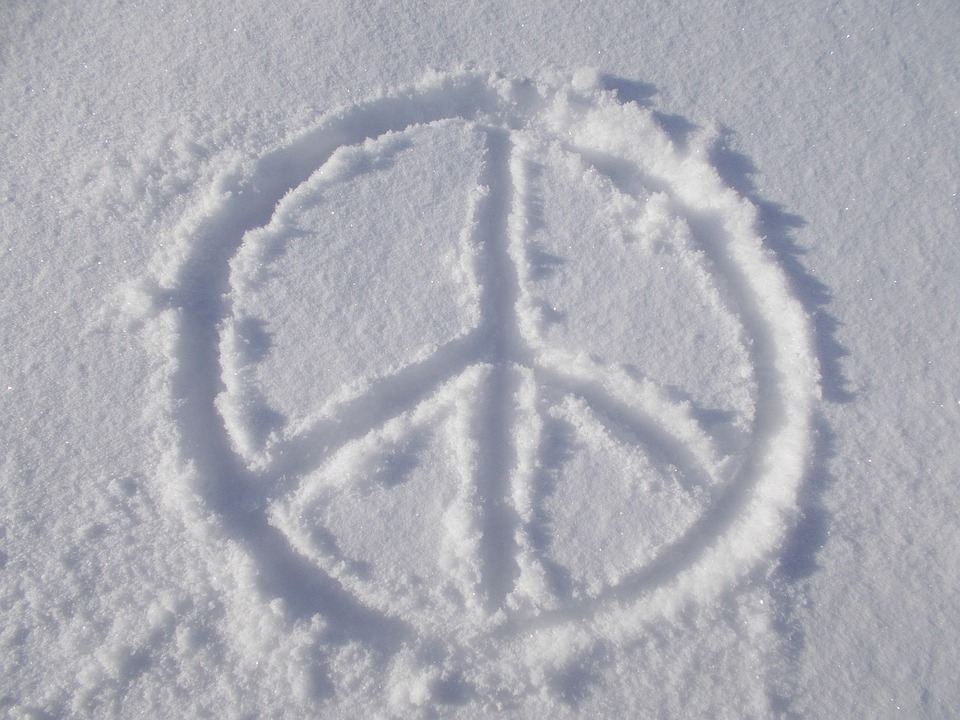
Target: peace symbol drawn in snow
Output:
[(484, 357)]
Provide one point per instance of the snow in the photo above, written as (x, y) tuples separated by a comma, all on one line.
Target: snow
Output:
[(414, 360)]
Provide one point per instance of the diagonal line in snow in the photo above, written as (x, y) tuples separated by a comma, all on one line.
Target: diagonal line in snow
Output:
[(386, 398)]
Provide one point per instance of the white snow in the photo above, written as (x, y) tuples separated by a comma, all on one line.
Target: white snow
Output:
[(420, 360)]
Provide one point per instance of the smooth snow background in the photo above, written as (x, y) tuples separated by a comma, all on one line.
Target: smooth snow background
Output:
[(844, 126)]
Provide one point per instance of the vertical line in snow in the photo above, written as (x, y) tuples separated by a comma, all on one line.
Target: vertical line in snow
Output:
[(496, 414)]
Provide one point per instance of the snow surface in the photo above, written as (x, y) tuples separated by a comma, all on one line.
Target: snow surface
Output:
[(421, 360)]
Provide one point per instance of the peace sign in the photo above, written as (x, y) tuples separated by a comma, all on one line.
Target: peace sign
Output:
[(442, 382)]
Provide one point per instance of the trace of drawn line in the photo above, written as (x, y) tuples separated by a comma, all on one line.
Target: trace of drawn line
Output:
[(758, 489)]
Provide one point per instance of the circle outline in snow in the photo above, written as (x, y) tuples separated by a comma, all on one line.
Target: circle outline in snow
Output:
[(232, 476)]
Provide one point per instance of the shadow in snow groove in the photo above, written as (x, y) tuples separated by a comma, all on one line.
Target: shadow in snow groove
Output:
[(496, 416)]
